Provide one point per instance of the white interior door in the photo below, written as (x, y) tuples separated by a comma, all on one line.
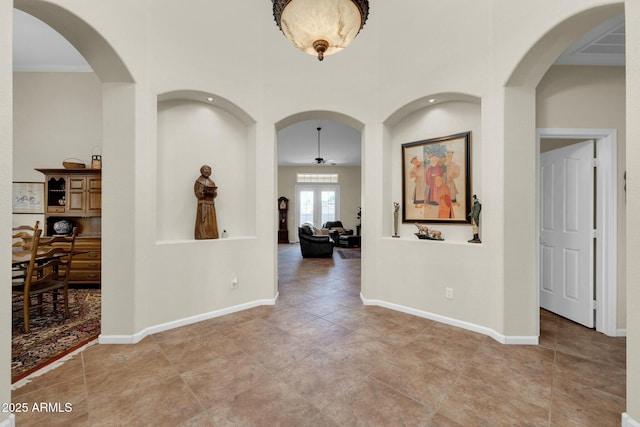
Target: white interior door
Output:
[(566, 242)]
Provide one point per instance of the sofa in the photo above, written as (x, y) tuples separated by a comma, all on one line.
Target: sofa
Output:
[(336, 229), (313, 245)]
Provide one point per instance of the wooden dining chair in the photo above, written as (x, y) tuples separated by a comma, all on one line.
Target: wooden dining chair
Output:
[(46, 273), (22, 238), (23, 235)]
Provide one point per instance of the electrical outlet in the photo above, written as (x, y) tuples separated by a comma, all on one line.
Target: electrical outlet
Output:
[(234, 283), (449, 293)]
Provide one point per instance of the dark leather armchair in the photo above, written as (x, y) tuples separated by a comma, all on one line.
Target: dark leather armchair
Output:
[(336, 229), (313, 246)]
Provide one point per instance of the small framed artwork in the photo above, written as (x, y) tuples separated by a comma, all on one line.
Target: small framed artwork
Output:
[(28, 198), (436, 179)]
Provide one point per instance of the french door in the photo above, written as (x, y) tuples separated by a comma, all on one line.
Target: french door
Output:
[(317, 204)]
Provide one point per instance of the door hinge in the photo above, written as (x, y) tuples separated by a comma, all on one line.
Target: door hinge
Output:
[(594, 305), (595, 234), (595, 163)]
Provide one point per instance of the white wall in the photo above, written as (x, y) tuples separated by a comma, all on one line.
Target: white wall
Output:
[(56, 116), (419, 271), (191, 134), (591, 97), (632, 18), (350, 193)]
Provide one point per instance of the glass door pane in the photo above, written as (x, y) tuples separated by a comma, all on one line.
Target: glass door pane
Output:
[(317, 204), (306, 199), (328, 203)]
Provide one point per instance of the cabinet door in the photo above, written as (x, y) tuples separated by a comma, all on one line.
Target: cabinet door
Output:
[(76, 200), (94, 194)]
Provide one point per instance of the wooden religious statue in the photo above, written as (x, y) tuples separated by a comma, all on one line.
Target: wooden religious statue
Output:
[(205, 190)]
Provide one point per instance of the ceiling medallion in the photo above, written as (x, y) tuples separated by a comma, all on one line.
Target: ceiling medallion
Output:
[(320, 27)]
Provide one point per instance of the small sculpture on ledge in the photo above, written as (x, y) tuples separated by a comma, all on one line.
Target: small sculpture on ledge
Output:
[(475, 219), (424, 233), (206, 190), (396, 208)]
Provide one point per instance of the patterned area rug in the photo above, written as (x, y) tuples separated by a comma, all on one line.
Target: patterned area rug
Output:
[(349, 253), (50, 336)]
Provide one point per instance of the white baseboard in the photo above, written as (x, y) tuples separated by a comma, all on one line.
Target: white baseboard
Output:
[(503, 339), (139, 336), (9, 422), (621, 332), (627, 421)]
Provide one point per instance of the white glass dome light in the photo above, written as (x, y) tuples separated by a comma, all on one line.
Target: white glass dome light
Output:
[(320, 27)]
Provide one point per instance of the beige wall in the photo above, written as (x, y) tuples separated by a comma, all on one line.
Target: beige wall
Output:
[(350, 193), (55, 116), (421, 270), (167, 47), (191, 134), (632, 23), (591, 97)]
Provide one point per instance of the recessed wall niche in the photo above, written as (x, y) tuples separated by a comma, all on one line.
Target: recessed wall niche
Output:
[(419, 122), (191, 133)]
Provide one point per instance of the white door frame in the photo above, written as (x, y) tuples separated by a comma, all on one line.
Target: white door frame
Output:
[(606, 220)]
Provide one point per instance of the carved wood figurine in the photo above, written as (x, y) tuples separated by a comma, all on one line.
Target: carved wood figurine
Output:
[(206, 190)]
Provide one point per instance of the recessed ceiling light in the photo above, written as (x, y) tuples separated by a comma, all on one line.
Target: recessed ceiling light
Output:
[(209, 98)]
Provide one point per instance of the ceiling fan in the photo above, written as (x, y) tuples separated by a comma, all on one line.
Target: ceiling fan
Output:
[(320, 160)]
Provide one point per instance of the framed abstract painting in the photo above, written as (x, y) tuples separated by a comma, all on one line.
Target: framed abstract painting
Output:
[(436, 179)]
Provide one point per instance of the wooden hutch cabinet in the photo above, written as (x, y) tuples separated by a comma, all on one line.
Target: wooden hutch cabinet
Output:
[(75, 195)]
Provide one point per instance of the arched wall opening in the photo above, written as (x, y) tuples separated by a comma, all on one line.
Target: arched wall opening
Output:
[(351, 192), (102, 57), (196, 128), (429, 117), (119, 99), (521, 276), (319, 115), (423, 270)]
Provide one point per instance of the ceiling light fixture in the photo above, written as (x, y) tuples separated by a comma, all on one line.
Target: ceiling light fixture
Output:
[(321, 160), (320, 27)]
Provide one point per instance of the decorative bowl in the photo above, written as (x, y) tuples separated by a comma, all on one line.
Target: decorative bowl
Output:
[(63, 227)]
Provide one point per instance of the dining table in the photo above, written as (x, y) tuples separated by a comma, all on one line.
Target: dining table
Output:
[(21, 256)]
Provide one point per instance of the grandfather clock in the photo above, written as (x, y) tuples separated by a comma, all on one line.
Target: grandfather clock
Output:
[(283, 231)]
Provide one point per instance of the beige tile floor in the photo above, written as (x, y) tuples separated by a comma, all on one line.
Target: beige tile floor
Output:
[(320, 358)]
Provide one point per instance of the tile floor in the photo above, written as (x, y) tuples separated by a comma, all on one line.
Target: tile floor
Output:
[(320, 358)]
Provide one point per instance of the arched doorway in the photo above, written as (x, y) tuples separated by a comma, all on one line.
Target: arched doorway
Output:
[(118, 137), (520, 131), (300, 143)]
